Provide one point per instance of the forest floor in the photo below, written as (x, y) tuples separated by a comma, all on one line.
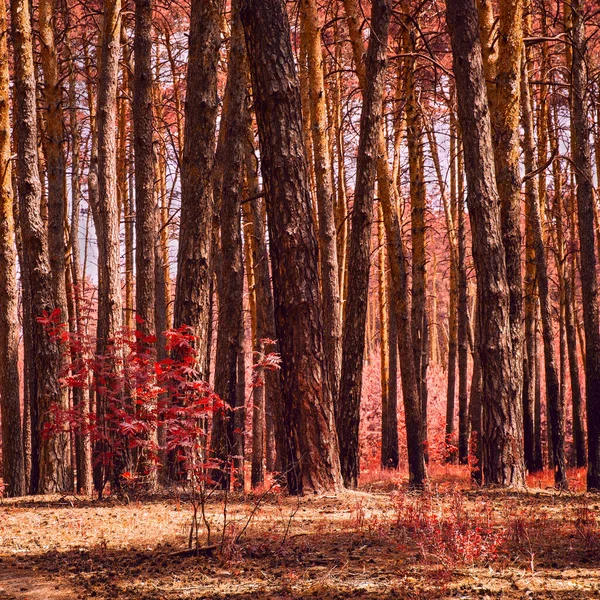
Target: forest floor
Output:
[(379, 542)]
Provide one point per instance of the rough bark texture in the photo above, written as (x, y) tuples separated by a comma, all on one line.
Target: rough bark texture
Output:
[(312, 461), (13, 465), (504, 104), (106, 211), (328, 259), (145, 210), (229, 272), (43, 385), (194, 269), (581, 152), (418, 203), (359, 259), (502, 412)]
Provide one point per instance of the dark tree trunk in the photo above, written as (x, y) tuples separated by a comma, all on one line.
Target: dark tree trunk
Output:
[(54, 153), (145, 209), (13, 466), (194, 269), (503, 462), (463, 337), (229, 271), (265, 317), (553, 399), (359, 258), (46, 473), (312, 461), (389, 415), (581, 153)]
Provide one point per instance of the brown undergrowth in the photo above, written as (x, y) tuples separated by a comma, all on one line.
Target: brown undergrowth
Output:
[(379, 542)]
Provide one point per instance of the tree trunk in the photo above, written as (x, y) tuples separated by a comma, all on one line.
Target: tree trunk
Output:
[(13, 465), (359, 259), (581, 153), (230, 274), (312, 461), (106, 215), (47, 475), (194, 269), (332, 325), (555, 406), (502, 412)]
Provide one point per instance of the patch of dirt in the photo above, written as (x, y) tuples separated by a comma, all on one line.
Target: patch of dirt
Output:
[(22, 583), (388, 543)]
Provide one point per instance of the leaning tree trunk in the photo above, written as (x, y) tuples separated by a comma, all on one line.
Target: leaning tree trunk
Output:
[(312, 461), (359, 254), (581, 152), (502, 411), (13, 464), (194, 269), (47, 474)]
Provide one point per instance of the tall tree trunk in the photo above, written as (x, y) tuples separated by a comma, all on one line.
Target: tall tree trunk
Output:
[(502, 412), (13, 464), (332, 325), (194, 269), (145, 209), (359, 259), (503, 84), (265, 316), (418, 204), (54, 154), (81, 396), (581, 153), (106, 215), (230, 274), (312, 461), (555, 406), (47, 475)]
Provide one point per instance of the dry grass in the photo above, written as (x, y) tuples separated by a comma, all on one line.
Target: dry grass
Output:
[(380, 542)]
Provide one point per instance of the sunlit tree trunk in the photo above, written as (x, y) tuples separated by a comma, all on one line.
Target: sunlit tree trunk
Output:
[(502, 411)]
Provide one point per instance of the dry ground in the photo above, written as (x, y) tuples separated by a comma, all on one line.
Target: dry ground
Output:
[(380, 542)]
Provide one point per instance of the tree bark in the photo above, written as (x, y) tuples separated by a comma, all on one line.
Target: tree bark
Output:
[(13, 464), (581, 153), (230, 273), (553, 399), (502, 412), (46, 473), (312, 462), (106, 216), (328, 258), (194, 268), (359, 259)]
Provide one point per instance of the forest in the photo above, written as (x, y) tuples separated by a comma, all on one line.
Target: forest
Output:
[(299, 299)]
